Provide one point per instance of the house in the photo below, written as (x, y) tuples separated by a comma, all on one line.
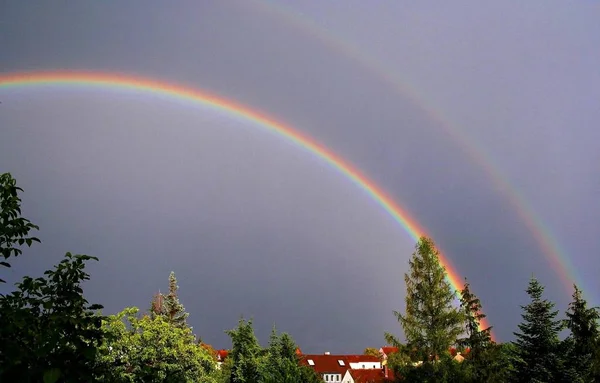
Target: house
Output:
[(386, 351), (332, 368), (368, 376), (221, 356)]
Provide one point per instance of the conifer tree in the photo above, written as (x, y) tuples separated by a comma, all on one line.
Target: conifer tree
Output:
[(537, 347), (485, 356), (477, 340), (431, 323), (581, 345), (173, 309), (245, 354)]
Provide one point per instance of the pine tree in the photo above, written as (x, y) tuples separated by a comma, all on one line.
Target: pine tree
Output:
[(581, 345), (431, 323), (537, 347), (476, 340), (173, 309)]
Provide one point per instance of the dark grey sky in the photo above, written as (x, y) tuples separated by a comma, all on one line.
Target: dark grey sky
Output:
[(254, 226)]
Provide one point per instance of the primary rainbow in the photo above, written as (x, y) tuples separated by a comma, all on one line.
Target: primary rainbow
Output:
[(177, 92)]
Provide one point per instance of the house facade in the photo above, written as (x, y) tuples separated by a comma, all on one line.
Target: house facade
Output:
[(334, 368)]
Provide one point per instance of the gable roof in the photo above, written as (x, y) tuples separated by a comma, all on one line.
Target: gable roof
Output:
[(221, 355), (329, 364), (389, 350), (371, 376)]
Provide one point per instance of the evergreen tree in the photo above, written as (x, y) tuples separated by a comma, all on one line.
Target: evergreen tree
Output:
[(477, 340), (431, 323), (581, 345), (537, 347), (484, 354), (171, 307), (245, 354)]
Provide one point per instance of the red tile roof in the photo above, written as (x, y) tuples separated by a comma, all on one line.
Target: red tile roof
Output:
[(328, 364), (389, 350), (222, 354), (371, 376)]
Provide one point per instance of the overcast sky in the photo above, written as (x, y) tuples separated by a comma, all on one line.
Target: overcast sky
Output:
[(252, 225)]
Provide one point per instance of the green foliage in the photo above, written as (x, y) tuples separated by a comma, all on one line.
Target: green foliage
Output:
[(245, 353), (445, 370), (431, 323), (484, 357), (47, 328), (169, 306), (152, 350), (280, 363), (581, 345), (14, 229), (174, 310), (537, 356), (477, 340), (371, 351)]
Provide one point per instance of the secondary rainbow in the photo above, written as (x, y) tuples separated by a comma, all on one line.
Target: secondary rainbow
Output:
[(126, 82), (547, 241)]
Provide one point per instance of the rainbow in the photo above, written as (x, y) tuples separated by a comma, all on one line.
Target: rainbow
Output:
[(177, 92), (546, 240)]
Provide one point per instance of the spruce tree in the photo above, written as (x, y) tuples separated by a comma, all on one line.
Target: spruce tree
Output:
[(173, 309), (484, 355), (431, 323), (245, 354), (581, 344), (476, 340), (537, 347)]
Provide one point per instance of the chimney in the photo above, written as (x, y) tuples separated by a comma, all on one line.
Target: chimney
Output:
[(327, 353)]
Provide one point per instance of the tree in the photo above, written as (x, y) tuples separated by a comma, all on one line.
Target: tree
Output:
[(245, 353), (537, 347), (485, 356), (582, 344), (48, 331), (14, 229), (477, 340), (169, 306), (431, 323), (152, 350), (372, 351), (280, 363)]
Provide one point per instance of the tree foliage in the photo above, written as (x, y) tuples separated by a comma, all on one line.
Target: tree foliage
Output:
[(152, 350), (47, 328), (431, 323), (14, 229), (371, 351), (581, 345), (168, 306), (537, 355)]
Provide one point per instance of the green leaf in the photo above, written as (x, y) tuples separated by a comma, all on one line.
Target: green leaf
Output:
[(51, 376), (5, 264)]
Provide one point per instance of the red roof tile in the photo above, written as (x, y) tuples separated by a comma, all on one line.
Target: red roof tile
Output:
[(371, 376), (328, 364), (389, 350), (222, 354)]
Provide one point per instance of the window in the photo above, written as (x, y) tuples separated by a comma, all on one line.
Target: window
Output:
[(311, 362), (341, 362)]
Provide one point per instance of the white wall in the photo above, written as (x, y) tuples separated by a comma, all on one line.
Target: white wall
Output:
[(367, 365)]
